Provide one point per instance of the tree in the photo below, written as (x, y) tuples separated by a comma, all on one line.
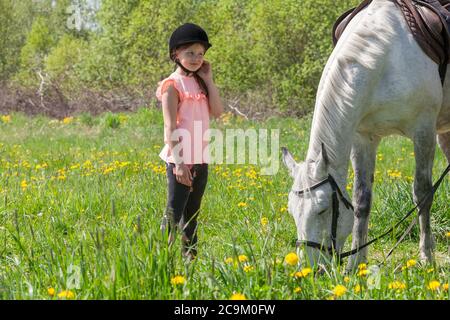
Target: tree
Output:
[(15, 17)]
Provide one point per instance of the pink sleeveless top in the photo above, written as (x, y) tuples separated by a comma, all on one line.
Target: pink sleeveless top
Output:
[(192, 120)]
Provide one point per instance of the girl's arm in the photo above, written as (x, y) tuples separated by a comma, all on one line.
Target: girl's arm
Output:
[(215, 102), (169, 106)]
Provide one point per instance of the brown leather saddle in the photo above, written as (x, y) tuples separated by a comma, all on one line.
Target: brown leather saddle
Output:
[(428, 20)]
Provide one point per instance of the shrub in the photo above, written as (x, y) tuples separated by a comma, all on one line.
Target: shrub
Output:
[(111, 120)]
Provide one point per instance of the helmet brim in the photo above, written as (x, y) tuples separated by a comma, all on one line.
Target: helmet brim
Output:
[(207, 45)]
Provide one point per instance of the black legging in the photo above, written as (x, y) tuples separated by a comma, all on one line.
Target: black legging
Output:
[(183, 205)]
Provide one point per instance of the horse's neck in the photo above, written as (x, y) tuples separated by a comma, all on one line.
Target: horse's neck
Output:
[(338, 144), (354, 68)]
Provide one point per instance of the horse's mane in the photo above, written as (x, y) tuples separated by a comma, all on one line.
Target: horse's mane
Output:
[(359, 53)]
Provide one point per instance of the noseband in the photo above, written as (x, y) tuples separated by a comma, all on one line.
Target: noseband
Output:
[(336, 192)]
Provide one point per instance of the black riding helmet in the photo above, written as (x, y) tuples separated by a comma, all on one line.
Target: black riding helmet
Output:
[(186, 34)]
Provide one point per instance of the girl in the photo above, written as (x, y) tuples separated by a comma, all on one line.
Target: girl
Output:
[(189, 97)]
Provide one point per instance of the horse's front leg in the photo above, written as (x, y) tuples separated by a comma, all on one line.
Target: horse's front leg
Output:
[(424, 149), (363, 161)]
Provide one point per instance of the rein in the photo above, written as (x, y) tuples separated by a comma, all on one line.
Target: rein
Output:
[(336, 191)]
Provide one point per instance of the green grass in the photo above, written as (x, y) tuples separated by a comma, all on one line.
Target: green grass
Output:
[(81, 203)]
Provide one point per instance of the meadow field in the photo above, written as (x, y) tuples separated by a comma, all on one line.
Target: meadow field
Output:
[(81, 201)]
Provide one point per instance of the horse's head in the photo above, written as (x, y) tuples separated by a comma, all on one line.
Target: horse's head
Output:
[(311, 205)]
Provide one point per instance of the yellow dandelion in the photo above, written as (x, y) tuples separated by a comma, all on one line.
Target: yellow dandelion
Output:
[(249, 268), (238, 296), (51, 292), (433, 285), (363, 272), (362, 266), (243, 258), (306, 271), (264, 221), (357, 288), (242, 204), (24, 184), (74, 166), (123, 118), (397, 285), (339, 290), (303, 273), (445, 287), (229, 260), (448, 235), (291, 259), (297, 290), (66, 294), (87, 163), (67, 120), (177, 280), (346, 279), (394, 173), (6, 118), (411, 263)]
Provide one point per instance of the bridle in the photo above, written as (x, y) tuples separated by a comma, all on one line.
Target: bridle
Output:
[(336, 195), (336, 191)]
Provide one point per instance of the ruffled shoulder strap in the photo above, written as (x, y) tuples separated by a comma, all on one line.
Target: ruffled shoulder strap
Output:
[(164, 84), (187, 87)]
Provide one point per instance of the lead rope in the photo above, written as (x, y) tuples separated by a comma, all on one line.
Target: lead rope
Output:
[(408, 230)]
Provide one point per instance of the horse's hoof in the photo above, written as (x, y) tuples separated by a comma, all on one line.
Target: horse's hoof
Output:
[(426, 258)]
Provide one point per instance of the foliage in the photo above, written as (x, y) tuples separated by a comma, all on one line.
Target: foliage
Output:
[(62, 62), (272, 51), (15, 22)]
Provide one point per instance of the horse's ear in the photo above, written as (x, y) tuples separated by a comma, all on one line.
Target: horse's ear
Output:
[(289, 162), (322, 163)]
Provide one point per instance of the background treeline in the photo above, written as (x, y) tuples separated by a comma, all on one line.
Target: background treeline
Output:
[(267, 55)]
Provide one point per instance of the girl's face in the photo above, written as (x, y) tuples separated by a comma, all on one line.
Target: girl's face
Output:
[(191, 57)]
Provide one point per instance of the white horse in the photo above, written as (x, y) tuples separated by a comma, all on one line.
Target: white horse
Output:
[(377, 82)]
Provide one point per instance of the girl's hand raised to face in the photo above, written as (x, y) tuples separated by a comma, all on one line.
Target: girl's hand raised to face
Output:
[(205, 72)]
